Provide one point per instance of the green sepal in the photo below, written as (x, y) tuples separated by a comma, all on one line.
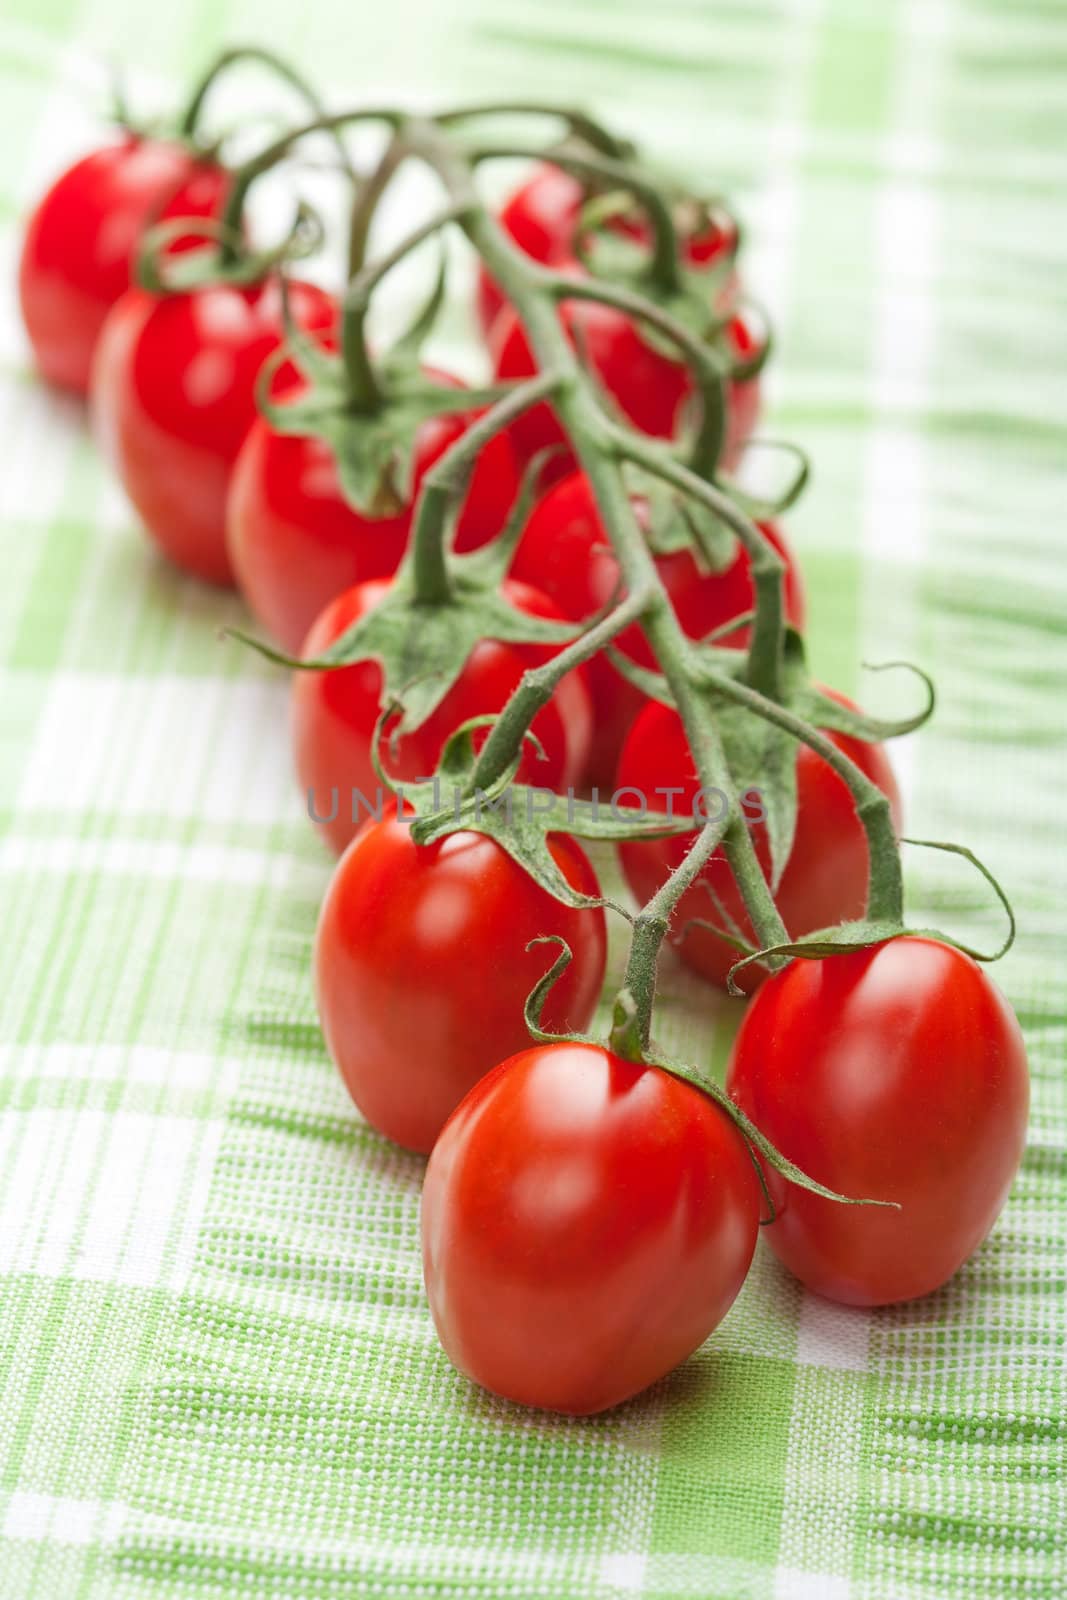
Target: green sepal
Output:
[(701, 303), (763, 756), (374, 447), (535, 1000), (375, 450), (515, 816), (762, 507), (676, 521), (864, 932), (422, 649)]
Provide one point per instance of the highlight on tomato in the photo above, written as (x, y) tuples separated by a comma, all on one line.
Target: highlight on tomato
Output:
[(422, 971), (335, 713), (565, 552), (174, 394), (825, 877), (294, 540), (896, 1073), (586, 1224), (82, 236)]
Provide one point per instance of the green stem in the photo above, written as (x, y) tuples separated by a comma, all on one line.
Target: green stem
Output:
[(278, 149), (537, 686), (701, 358), (664, 268), (363, 391), (276, 64), (443, 487), (649, 931), (596, 446), (885, 901), (366, 202), (768, 568)]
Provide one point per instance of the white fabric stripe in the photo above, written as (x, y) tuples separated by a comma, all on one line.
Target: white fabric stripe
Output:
[(97, 1195), (191, 1071), (170, 745), (62, 1519)]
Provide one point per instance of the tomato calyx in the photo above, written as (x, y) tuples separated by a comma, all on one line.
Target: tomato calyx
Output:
[(369, 413), (866, 932), (521, 818), (761, 750), (422, 643)]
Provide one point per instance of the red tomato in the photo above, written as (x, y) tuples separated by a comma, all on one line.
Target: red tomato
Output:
[(421, 968), (334, 714), (295, 542), (894, 1073), (825, 878), (650, 388), (82, 238), (542, 217), (565, 552), (586, 1223), (173, 395)]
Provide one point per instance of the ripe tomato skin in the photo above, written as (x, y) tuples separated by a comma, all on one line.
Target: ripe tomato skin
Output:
[(894, 1073), (825, 878), (334, 713), (650, 388), (173, 396), (565, 552), (422, 972), (586, 1223), (82, 236), (294, 541)]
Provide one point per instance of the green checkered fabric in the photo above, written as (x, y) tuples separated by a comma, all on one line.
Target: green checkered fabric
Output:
[(218, 1375)]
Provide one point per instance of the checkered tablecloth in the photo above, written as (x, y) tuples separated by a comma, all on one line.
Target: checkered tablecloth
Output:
[(218, 1375)]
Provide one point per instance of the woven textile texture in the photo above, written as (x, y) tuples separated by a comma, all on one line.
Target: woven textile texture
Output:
[(218, 1375)]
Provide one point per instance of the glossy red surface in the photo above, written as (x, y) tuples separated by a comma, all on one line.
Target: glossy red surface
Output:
[(586, 1223), (422, 971), (82, 237), (173, 396), (895, 1073)]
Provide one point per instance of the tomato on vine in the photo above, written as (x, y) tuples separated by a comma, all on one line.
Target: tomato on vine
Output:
[(586, 1224), (650, 388), (422, 970), (825, 877), (174, 394), (334, 714), (295, 541), (897, 1073), (565, 552), (81, 239), (543, 216)]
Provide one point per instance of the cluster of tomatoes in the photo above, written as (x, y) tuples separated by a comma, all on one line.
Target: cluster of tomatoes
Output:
[(587, 1219)]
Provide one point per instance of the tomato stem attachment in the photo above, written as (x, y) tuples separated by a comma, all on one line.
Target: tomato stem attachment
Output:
[(446, 482), (705, 366), (664, 270), (885, 897)]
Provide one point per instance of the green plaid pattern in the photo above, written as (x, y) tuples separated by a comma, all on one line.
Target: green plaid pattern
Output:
[(218, 1375)]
